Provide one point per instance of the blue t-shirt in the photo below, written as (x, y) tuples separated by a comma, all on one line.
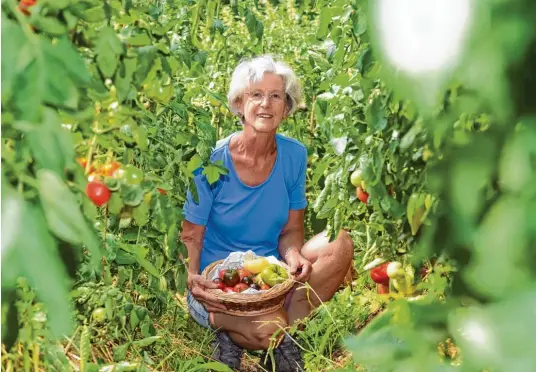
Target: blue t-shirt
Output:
[(239, 217)]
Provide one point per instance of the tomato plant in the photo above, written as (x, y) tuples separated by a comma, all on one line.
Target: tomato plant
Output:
[(132, 92)]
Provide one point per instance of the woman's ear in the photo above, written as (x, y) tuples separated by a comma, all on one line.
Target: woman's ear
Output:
[(287, 111), (238, 104)]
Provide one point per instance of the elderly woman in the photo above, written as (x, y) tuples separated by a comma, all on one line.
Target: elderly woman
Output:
[(259, 205)]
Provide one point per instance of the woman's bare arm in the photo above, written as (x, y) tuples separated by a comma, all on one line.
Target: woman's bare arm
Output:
[(192, 236), (293, 234)]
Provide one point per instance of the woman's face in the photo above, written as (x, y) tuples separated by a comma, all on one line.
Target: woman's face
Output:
[(264, 104)]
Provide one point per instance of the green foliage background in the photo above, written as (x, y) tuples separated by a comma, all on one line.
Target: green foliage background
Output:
[(144, 83)]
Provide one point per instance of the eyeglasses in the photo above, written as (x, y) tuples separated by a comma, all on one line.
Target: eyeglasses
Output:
[(258, 97)]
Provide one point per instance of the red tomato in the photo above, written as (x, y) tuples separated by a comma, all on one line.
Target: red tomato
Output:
[(228, 290), (240, 287), (362, 194), (222, 272), (379, 274), (109, 169), (243, 273), (161, 191), (25, 5), (98, 193)]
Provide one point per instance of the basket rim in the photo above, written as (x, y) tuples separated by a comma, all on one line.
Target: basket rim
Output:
[(239, 298)]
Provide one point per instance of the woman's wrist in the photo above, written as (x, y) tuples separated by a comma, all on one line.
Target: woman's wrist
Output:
[(290, 250)]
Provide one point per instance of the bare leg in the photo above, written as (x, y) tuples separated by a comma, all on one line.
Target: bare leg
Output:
[(331, 262), (252, 332)]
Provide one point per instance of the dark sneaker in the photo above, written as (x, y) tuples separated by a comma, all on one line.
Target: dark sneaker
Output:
[(287, 357), (226, 351)]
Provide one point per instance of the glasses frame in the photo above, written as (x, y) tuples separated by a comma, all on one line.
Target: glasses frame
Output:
[(270, 96)]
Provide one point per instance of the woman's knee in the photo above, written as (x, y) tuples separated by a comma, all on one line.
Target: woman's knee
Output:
[(346, 246), (340, 250)]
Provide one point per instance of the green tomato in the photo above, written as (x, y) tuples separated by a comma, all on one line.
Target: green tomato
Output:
[(274, 274), (131, 175), (99, 315), (356, 177)]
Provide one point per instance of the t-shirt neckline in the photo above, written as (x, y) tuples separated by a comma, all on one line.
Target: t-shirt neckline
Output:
[(233, 169)]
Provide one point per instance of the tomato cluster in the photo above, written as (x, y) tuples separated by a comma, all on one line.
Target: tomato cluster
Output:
[(97, 190), (356, 178), (238, 280)]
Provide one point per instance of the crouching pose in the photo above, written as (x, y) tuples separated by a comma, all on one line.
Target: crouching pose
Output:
[(259, 205)]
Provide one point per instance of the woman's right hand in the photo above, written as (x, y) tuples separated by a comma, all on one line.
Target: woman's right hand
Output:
[(198, 285)]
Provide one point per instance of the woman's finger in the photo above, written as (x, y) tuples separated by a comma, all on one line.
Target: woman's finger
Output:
[(199, 280), (305, 272), (207, 298)]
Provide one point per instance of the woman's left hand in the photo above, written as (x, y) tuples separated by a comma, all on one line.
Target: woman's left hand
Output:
[(299, 265)]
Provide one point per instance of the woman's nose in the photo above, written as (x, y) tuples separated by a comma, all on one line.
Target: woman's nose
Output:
[(265, 100)]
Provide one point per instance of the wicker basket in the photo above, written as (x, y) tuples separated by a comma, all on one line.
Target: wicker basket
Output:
[(252, 304)]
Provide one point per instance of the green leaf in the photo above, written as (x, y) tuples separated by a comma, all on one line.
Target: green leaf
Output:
[(115, 203), (120, 352), (141, 214), (18, 56), (90, 209), (328, 207), (108, 48), (365, 61), (194, 163), (147, 265), (326, 15), (213, 172), (50, 25), (140, 253), (416, 211), (499, 265), (124, 258), (214, 366), (134, 320), (123, 79), (60, 89), (58, 4), (63, 213), (139, 40), (51, 145), (147, 341), (94, 15), (28, 93), (140, 136), (14, 212), (72, 61), (132, 195), (50, 284), (409, 137), (376, 116)]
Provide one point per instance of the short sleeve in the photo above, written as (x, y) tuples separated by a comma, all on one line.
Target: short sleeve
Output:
[(200, 212), (297, 192)]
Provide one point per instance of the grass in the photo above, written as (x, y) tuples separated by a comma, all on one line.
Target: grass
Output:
[(185, 346)]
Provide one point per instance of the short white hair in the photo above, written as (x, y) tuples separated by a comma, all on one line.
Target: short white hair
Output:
[(253, 70)]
